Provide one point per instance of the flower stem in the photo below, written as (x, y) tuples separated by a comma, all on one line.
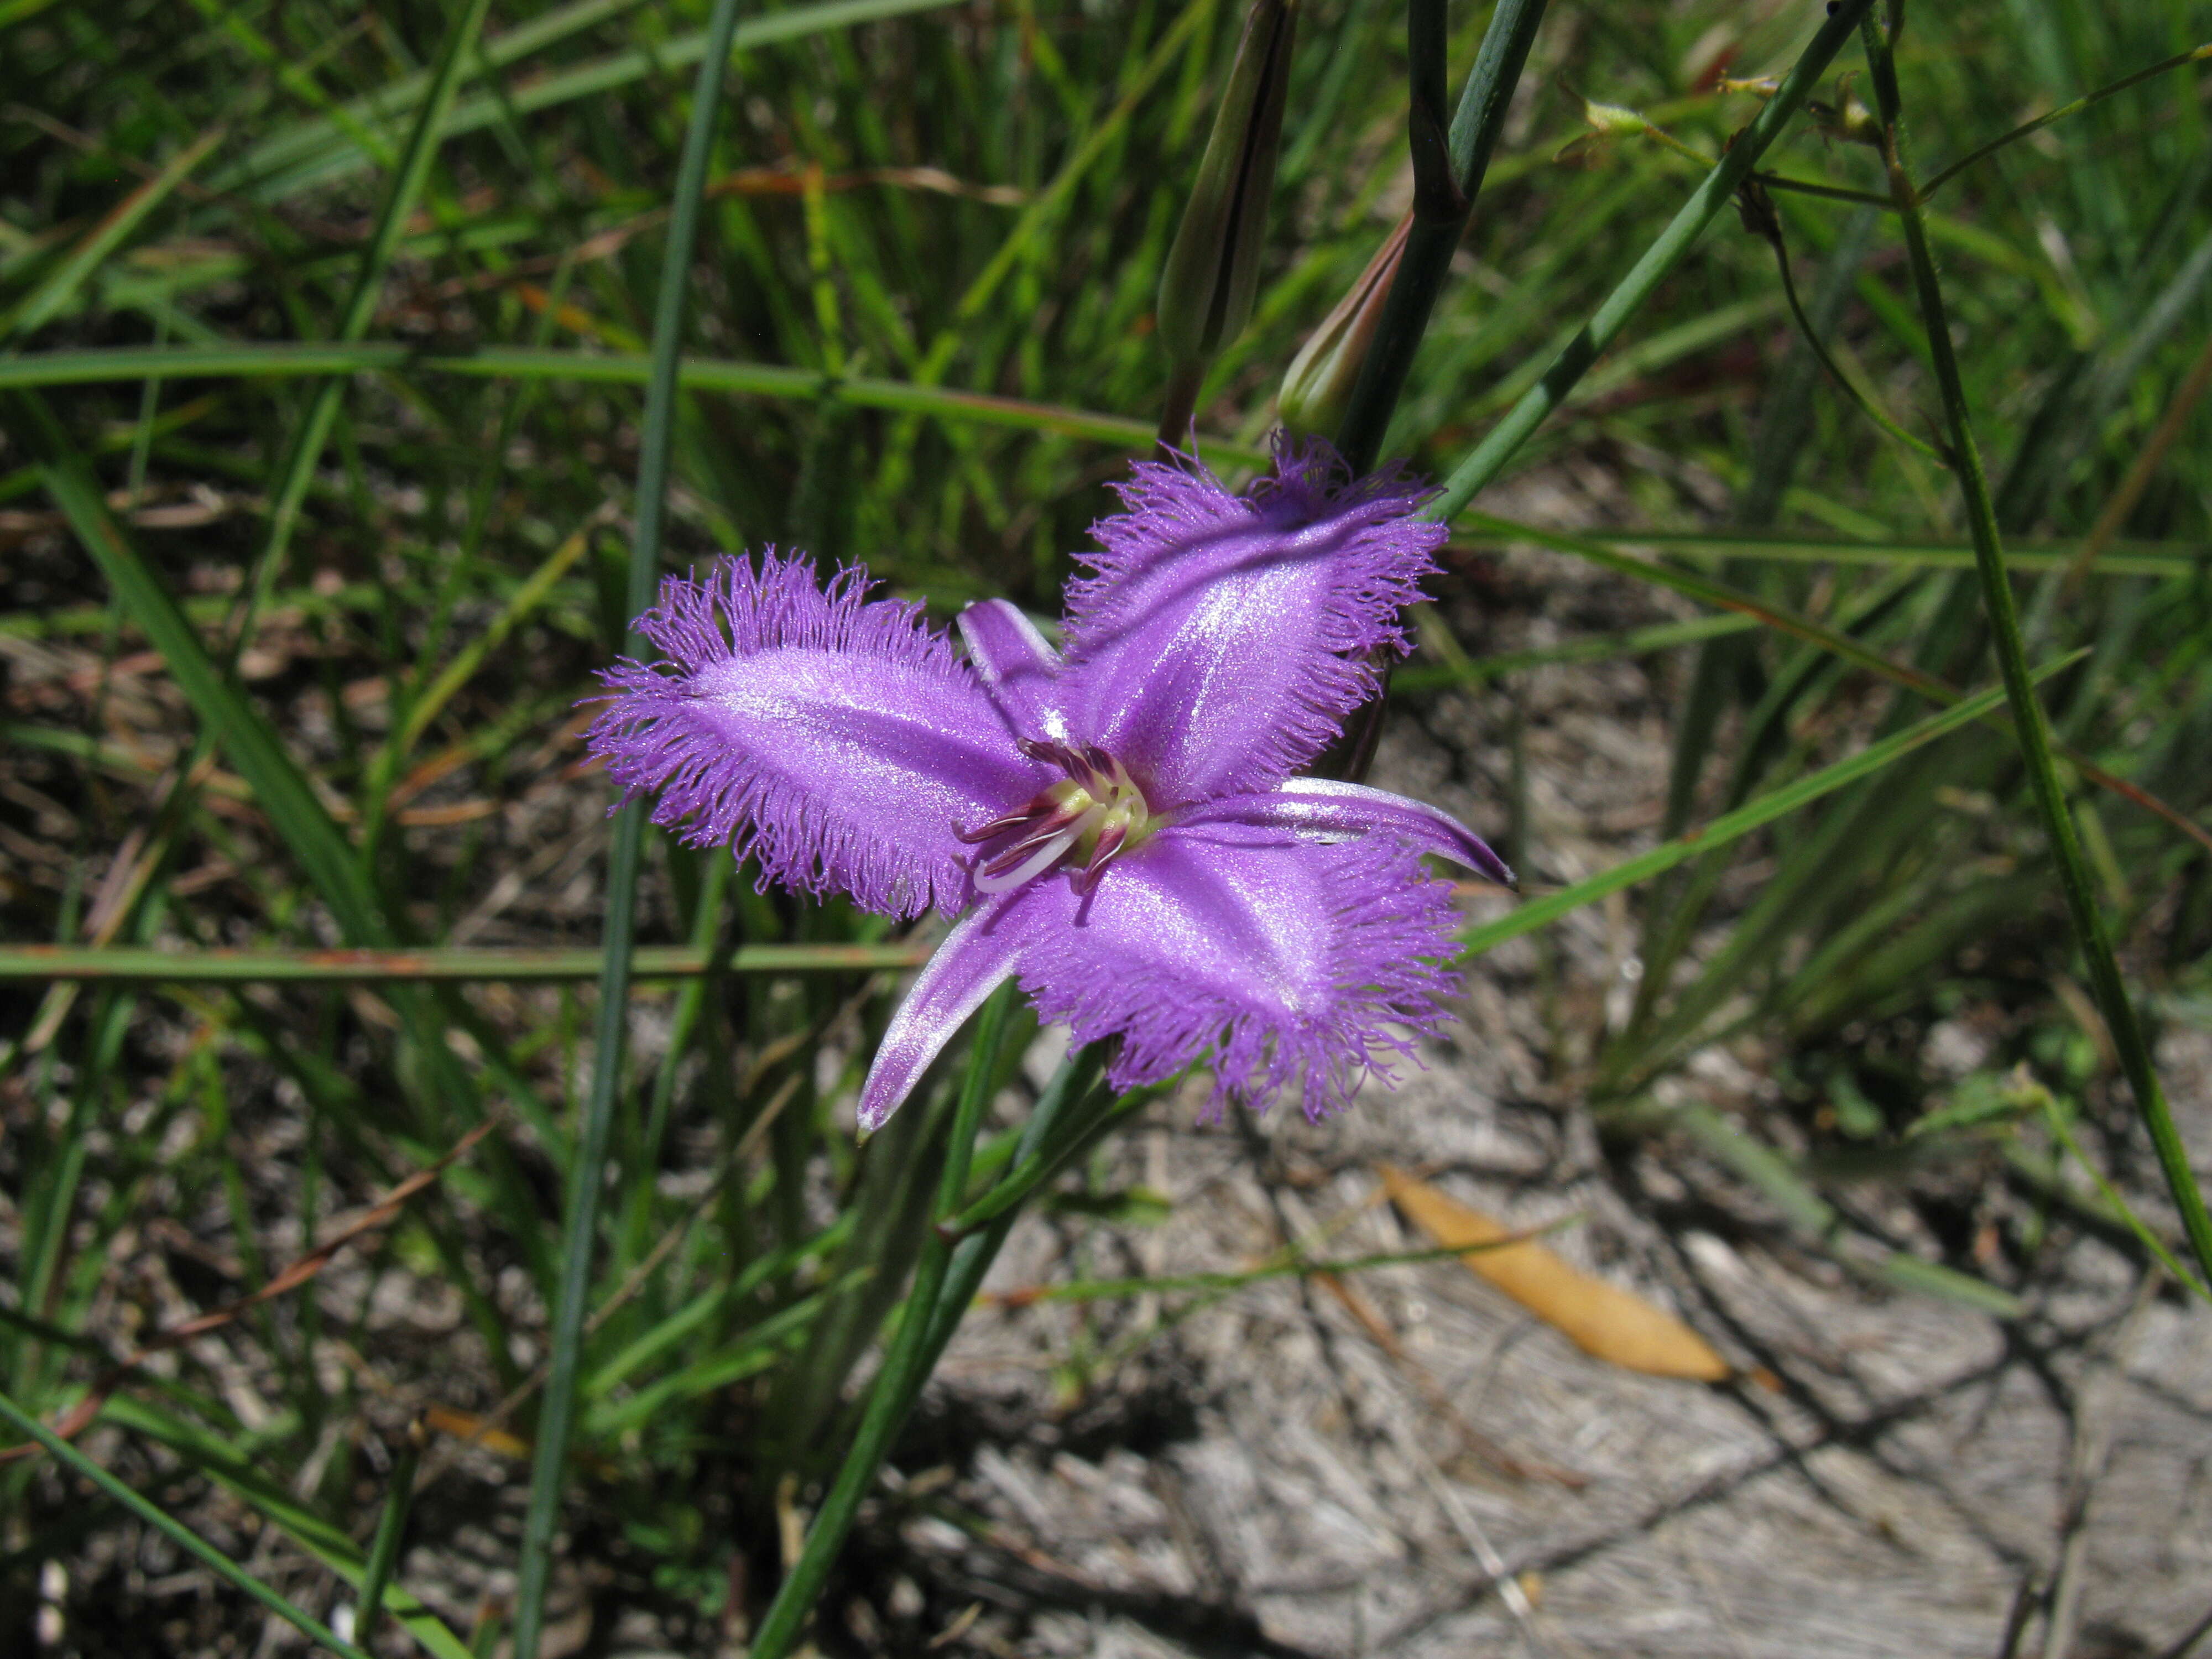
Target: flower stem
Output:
[(1448, 172), (911, 1355), (556, 1415), (2029, 718)]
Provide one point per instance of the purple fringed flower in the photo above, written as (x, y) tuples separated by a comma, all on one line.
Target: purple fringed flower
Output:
[(1117, 828)]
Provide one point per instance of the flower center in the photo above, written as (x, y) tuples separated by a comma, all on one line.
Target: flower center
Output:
[(1095, 813)]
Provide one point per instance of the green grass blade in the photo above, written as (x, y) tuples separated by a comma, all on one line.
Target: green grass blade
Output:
[(2029, 721), (1711, 590), (1731, 826), (333, 155), (1440, 214), (2195, 54), (175, 1531), (2119, 558), (228, 1468), (1821, 1224), (279, 786), (1489, 458), (287, 359), (391, 101), (110, 233), (580, 1226), (433, 964), (384, 1547), (1601, 647), (305, 453)]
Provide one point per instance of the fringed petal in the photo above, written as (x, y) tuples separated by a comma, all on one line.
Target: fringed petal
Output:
[(1302, 966), (1324, 809), (1220, 639), (837, 741)]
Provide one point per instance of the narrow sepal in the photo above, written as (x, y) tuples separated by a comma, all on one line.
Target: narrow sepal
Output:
[(976, 959), (1326, 809)]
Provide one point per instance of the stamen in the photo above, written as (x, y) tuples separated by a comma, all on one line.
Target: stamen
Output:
[(1046, 829), (990, 879), (995, 827), (1111, 839), (1097, 811)]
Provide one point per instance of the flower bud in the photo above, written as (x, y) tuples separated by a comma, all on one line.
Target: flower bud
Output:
[(1612, 120), (1320, 377), (1214, 269)]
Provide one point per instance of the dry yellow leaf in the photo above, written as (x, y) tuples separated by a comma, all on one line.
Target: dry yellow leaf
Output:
[(467, 1425), (1603, 1320)]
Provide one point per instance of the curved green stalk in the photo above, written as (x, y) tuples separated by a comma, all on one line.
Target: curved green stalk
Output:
[(2029, 718), (556, 1413)]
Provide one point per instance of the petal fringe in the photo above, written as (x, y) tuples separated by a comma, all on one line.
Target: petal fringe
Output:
[(1304, 968), (1219, 640), (836, 739)]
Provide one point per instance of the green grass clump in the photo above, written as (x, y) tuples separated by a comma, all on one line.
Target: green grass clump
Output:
[(335, 344)]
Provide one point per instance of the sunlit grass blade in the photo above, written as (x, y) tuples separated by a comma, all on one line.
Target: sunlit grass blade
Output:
[(580, 1208), (2029, 721), (1298, 1267), (271, 360), (1822, 1225), (316, 156), (2119, 558), (1731, 826), (1634, 642), (430, 964), (1711, 591)]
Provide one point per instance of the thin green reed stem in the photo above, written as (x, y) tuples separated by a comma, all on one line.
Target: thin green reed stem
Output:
[(170, 1528), (905, 1364), (1448, 174), (556, 1415), (457, 48), (1489, 458), (1071, 1087), (2195, 54), (383, 1548), (2029, 718)]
